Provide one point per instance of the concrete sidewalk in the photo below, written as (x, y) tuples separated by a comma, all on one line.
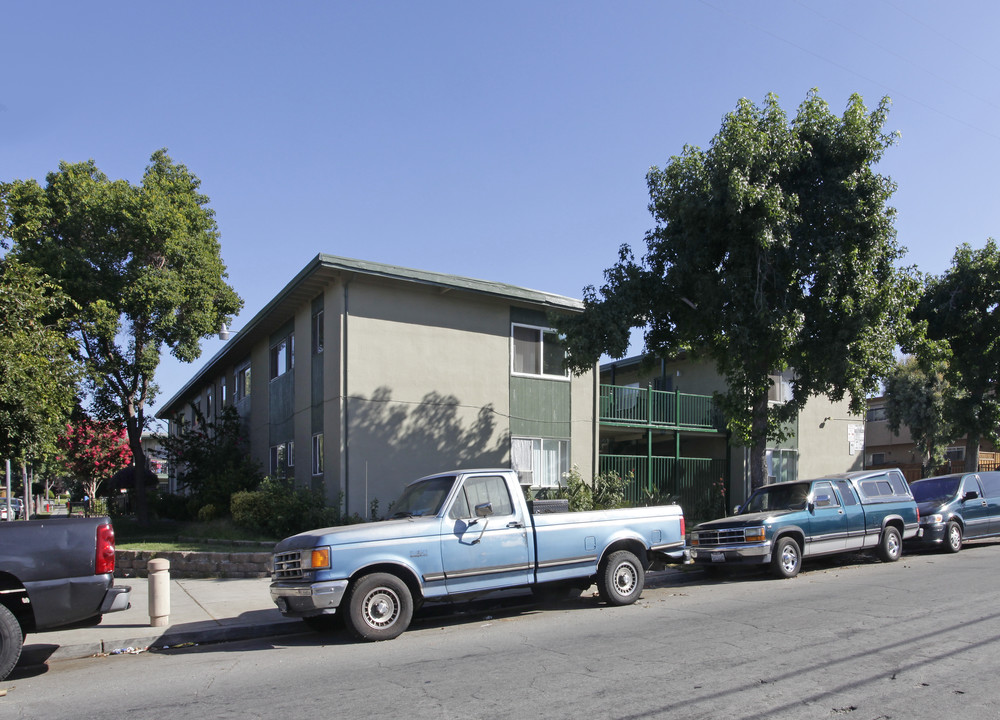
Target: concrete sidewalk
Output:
[(201, 611)]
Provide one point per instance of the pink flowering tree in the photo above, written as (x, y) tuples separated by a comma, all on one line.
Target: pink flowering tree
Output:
[(92, 451)]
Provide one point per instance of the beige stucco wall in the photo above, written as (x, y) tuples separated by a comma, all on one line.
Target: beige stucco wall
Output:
[(823, 438), (583, 444), (427, 387)]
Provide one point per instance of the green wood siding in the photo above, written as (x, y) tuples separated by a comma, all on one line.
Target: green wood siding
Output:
[(539, 408)]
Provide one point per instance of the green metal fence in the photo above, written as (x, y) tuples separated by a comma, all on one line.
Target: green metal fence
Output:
[(698, 485), (658, 408)]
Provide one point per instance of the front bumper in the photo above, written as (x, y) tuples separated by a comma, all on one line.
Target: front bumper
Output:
[(929, 535), (304, 600), (745, 554)]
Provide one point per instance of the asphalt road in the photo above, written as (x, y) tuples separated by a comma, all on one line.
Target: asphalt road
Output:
[(860, 640)]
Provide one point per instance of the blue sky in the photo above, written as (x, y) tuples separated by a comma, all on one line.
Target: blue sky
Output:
[(504, 141)]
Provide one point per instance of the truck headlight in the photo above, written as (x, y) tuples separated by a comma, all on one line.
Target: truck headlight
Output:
[(694, 538), (755, 534)]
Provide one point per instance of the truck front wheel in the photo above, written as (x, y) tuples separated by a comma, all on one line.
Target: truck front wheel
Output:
[(621, 578), (379, 607), (787, 558), (11, 641)]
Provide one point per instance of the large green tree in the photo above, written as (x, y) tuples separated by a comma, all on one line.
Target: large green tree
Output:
[(962, 309), (773, 250), (142, 262), (919, 397), (38, 375)]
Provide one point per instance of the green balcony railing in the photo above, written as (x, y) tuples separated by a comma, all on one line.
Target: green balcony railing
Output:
[(698, 485), (658, 408)]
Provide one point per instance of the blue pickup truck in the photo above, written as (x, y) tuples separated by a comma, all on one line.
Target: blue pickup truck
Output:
[(460, 534), (782, 523)]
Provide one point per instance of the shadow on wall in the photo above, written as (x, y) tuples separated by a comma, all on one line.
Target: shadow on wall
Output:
[(405, 440)]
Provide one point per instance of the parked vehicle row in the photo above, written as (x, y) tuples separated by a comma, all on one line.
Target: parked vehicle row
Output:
[(464, 533)]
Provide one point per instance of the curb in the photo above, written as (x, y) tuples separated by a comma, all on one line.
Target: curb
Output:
[(41, 653)]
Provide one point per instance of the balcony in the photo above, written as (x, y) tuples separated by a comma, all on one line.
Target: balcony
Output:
[(648, 408)]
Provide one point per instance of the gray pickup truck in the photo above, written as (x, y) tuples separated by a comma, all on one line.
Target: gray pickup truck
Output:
[(54, 573), (782, 523)]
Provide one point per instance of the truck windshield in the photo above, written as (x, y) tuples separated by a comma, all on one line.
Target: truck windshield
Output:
[(936, 490), (778, 497), (423, 498)]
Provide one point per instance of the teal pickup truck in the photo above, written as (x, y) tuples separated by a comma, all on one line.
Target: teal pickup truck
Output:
[(782, 523)]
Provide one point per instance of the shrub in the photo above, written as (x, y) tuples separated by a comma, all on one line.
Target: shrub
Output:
[(279, 510), (207, 513)]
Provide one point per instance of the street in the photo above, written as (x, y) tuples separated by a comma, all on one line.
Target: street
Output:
[(851, 638)]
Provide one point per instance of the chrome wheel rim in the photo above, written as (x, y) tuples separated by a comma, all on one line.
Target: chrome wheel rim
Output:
[(789, 558), (381, 608), (954, 537), (625, 579), (892, 545)]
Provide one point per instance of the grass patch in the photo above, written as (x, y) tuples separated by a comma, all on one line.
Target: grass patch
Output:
[(165, 536)]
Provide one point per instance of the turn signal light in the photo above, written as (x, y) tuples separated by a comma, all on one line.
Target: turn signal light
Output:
[(754, 534), (319, 558)]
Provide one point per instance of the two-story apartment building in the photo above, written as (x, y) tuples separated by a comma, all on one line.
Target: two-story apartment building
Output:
[(360, 376)]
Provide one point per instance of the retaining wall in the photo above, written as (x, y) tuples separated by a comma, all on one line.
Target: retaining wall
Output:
[(132, 563)]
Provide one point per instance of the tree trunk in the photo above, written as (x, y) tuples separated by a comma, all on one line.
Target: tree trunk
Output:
[(758, 444), (972, 453), (134, 429)]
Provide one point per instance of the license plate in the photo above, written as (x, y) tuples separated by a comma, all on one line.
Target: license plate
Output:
[(718, 557)]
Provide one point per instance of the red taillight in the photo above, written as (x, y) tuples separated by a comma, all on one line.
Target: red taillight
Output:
[(682, 527), (105, 560)]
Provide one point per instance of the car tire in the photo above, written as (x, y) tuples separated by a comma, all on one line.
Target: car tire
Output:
[(11, 641), (952, 537), (620, 578), (890, 547), (379, 607), (786, 560)]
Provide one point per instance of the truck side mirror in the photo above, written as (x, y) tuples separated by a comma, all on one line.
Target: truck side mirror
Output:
[(971, 495), (484, 510)]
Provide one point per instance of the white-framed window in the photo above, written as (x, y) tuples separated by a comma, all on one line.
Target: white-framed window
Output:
[(317, 454), (282, 459), (781, 387), (282, 356), (317, 332), (537, 351), (242, 382), (540, 462)]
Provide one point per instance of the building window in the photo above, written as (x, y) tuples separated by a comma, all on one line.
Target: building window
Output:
[(317, 333), (209, 402), (540, 462), (222, 393), (283, 356), (282, 459), (537, 351), (780, 390), (317, 454), (242, 382), (876, 414)]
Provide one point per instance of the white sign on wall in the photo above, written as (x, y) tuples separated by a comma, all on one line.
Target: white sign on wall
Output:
[(856, 438)]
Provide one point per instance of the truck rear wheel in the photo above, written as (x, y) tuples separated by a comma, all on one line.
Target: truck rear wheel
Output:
[(621, 578), (786, 561), (379, 607), (11, 641), (890, 547)]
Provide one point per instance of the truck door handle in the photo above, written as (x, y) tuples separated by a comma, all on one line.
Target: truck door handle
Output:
[(514, 524)]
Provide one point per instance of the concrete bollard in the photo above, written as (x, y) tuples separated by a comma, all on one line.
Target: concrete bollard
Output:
[(159, 591)]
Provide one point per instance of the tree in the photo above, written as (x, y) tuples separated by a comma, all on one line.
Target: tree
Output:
[(38, 375), (142, 263), (773, 250), (212, 459), (92, 451), (919, 398), (962, 309)]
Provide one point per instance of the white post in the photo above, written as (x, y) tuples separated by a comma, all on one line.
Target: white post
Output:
[(159, 591)]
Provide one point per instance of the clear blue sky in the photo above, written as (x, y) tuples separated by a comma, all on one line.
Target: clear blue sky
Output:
[(507, 141)]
